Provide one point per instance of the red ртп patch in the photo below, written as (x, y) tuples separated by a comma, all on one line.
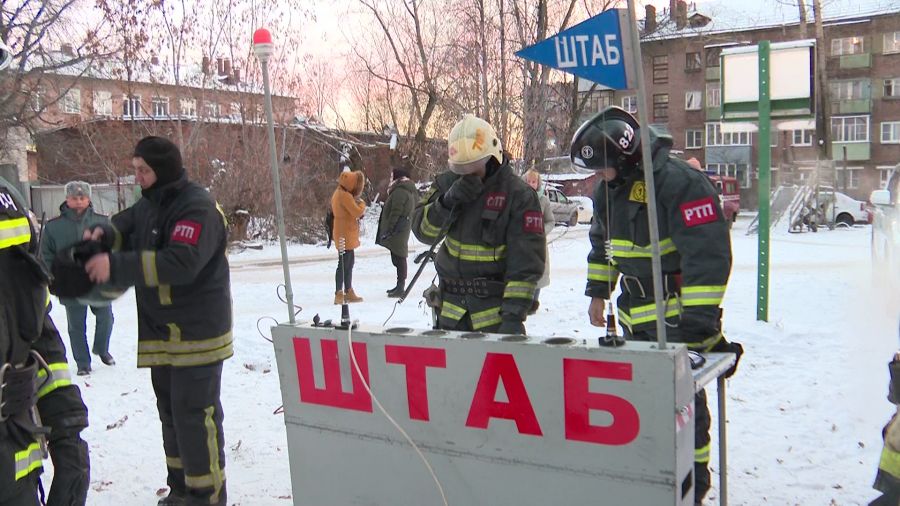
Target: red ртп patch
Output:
[(187, 231), (495, 201), (534, 222), (699, 212)]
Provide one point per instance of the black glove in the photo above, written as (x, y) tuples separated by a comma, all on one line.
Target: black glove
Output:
[(464, 190), (511, 325), (724, 346), (108, 239)]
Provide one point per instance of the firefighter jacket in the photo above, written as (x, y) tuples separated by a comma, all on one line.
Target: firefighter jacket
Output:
[(695, 247), (498, 240), (27, 336), (64, 231), (170, 245), (888, 478)]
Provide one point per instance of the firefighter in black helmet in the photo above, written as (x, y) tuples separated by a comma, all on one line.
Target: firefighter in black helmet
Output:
[(694, 242)]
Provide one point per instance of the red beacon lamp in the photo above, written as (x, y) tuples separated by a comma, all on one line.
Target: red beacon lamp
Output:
[(262, 44)]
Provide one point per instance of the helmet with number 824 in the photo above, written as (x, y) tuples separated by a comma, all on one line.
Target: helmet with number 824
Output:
[(610, 139)]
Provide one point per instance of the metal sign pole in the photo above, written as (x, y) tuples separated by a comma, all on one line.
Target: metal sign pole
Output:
[(648, 177), (262, 46), (765, 184)]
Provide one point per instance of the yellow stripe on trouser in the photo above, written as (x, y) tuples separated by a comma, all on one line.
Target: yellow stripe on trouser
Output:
[(707, 344), (60, 376), (601, 272), (216, 476), (427, 228), (890, 462), (179, 352), (647, 313), (14, 232), (27, 460), (706, 295), (474, 252), (701, 455), (148, 263), (486, 318), (627, 249), (519, 290), (174, 463), (452, 311)]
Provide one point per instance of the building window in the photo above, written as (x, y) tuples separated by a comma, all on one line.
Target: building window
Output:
[(848, 179), (739, 171), (855, 89), (712, 56), (160, 107), (847, 45), (693, 100), (629, 103), (892, 42), (188, 107), (102, 103), (890, 132), (71, 102), (131, 105), (850, 129), (600, 100), (693, 139), (37, 99), (802, 137), (692, 62), (211, 109), (661, 107), (715, 136), (660, 69), (713, 94), (892, 88), (235, 111), (884, 175)]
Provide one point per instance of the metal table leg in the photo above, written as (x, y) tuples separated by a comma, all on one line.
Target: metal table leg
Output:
[(723, 452)]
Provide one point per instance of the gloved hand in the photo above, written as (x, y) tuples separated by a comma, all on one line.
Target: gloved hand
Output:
[(511, 325), (464, 190), (724, 346), (105, 234)]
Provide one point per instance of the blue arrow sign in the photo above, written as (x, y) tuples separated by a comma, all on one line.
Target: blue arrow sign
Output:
[(594, 49)]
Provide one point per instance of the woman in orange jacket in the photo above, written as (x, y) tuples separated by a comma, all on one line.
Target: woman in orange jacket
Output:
[(348, 208)]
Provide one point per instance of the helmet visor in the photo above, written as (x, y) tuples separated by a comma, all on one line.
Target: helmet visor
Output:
[(464, 169)]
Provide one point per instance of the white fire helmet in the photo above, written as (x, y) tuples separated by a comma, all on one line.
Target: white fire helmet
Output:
[(471, 141)]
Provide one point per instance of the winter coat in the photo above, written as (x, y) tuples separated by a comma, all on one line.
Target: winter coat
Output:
[(24, 328), (549, 223), (695, 247), (347, 209), (498, 238), (171, 246), (394, 224), (65, 230)]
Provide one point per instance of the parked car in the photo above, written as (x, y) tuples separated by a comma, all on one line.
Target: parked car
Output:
[(564, 209), (585, 208), (847, 210), (729, 195), (886, 230)]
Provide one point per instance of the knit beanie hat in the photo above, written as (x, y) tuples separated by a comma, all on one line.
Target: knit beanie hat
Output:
[(78, 189), (399, 173), (163, 156)]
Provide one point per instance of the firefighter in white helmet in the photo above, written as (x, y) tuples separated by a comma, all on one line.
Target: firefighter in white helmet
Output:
[(491, 222)]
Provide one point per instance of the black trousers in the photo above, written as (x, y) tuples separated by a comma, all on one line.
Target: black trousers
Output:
[(343, 275), (702, 422), (400, 263), (191, 416)]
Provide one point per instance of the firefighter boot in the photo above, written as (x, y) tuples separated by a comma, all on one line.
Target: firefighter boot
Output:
[(352, 297), (173, 499), (339, 297)]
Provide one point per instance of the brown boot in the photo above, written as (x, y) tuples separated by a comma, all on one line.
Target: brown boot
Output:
[(339, 297), (352, 297)]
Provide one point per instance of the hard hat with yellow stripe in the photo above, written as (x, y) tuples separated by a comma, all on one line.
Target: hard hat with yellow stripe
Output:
[(470, 143)]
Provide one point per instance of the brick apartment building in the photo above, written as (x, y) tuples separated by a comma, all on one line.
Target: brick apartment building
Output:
[(681, 50)]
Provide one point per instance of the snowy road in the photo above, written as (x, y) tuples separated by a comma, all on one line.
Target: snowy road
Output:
[(805, 409)]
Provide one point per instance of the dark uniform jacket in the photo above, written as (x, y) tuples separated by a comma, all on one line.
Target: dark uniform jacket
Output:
[(394, 223), (498, 239), (65, 230), (170, 245), (695, 247), (25, 328)]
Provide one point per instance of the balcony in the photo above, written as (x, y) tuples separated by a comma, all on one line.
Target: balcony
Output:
[(858, 106), (855, 61), (855, 150), (713, 113), (713, 73)]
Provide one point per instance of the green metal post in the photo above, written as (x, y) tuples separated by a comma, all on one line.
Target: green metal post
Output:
[(765, 183)]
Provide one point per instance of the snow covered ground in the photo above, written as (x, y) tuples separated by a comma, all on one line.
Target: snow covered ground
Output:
[(805, 410)]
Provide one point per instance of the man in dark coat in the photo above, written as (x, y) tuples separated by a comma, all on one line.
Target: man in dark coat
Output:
[(394, 224), (77, 215), (170, 245)]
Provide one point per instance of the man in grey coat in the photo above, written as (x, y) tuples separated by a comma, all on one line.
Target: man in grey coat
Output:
[(77, 215), (394, 224)]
